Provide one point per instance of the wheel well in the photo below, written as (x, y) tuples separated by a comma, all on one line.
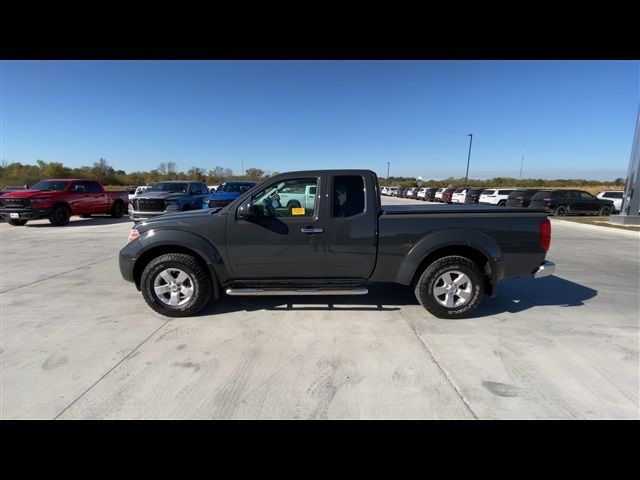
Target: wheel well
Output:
[(152, 253), (471, 253), (62, 204)]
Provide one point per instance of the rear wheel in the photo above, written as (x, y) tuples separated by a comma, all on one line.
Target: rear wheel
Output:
[(450, 287), (605, 211), (17, 223), (561, 210), (502, 203), (175, 285), (60, 216), (118, 210)]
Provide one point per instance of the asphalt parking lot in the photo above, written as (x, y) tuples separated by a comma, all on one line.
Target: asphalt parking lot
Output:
[(78, 342)]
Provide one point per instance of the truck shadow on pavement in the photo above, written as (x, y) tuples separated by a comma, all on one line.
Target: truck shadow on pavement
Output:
[(80, 222), (519, 294), (514, 295)]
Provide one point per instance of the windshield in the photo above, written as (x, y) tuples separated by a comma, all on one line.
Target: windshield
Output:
[(235, 187), (57, 185), (170, 187)]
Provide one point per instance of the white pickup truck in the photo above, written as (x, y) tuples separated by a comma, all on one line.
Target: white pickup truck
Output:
[(291, 198)]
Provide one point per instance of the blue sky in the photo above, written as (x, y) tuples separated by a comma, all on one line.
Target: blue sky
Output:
[(572, 119)]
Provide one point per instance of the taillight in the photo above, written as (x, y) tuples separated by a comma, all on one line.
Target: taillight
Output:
[(545, 234), (133, 234)]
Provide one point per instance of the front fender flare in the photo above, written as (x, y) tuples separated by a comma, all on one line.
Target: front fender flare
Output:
[(175, 237)]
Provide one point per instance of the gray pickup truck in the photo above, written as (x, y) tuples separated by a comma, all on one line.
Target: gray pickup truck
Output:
[(450, 255), (167, 197)]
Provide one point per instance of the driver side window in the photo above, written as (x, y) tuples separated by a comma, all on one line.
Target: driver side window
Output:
[(288, 199)]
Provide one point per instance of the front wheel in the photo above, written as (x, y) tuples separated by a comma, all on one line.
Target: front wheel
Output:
[(17, 223), (60, 216), (175, 285), (450, 287), (605, 211)]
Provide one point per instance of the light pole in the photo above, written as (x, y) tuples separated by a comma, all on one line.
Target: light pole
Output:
[(388, 170), (466, 177)]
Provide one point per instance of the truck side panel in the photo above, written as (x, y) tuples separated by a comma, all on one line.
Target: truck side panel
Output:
[(508, 241)]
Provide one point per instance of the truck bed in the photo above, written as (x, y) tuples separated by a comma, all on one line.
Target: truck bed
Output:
[(453, 208)]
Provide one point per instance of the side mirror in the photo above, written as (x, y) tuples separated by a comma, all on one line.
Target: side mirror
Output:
[(248, 211)]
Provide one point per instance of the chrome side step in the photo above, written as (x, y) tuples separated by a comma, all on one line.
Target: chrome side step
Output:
[(256, 292)]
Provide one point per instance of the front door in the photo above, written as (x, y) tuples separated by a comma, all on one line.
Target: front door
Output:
[(284, 242)]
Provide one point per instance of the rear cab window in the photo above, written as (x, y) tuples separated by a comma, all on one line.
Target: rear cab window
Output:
[(348, 197)]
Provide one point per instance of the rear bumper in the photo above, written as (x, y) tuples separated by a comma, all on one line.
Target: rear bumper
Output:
[(544, 269)]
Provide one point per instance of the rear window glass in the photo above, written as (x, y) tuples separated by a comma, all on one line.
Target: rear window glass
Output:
[(516, 194), (613, 195), (504, 192), (488, 192)]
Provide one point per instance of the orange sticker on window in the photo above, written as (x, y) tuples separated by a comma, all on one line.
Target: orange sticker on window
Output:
[(297, 211)]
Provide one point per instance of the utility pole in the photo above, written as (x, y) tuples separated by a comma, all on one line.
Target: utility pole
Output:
[(388, 170), (521, 164), (466, 176), (242, 163)]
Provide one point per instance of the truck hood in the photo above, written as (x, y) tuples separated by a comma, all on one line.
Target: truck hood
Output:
[(31, 193), (162, 195), (175, 218), (224, 195)]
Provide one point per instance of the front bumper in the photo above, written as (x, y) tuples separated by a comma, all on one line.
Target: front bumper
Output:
[(140, 216), (544, 269), (24, 213), (127, 260)]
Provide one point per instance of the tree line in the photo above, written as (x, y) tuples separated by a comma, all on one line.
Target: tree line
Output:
[(409, 182), (17, 173)]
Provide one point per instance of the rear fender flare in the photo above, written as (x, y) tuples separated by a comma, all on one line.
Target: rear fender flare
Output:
[(449, 238)]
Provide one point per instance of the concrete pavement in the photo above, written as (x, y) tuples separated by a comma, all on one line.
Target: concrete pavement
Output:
[(79, 342)]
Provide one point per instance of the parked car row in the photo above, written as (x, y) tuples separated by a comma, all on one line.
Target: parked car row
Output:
[(558, 202)]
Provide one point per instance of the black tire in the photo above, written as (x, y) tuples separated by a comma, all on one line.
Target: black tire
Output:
[(118, 210), (502, 203), (199, 281), (293, 204), (431, 278), (561, 211), (60, 216), (16, 223), (605, 211)]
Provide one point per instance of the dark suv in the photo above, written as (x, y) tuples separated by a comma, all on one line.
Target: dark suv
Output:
[(571, 202), (473, 195), (522, 198)]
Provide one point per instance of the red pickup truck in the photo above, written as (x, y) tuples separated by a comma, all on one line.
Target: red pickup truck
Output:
[(58, 199)]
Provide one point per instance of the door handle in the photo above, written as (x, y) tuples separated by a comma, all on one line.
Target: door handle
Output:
[(311, 230)]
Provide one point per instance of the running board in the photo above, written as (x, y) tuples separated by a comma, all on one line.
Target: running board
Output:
[(256, 292)]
